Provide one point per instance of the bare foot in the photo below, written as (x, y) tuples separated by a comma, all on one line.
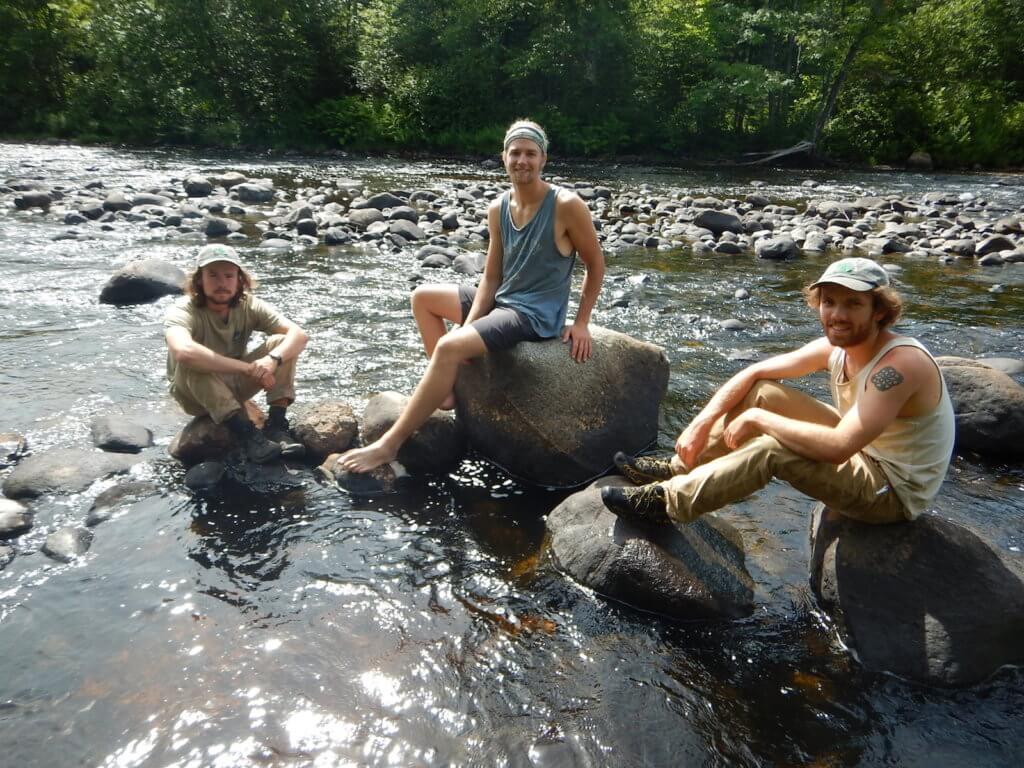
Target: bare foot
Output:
[(365, 459), (448, 403)]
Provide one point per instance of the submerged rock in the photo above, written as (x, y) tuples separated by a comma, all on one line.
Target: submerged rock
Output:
[(927, 599), (68, 543), (120, 434), (989, 408), (551, 421), (117, 497), (436, 447), (12, 448), (324, 428), (385, 479), (143, 281), (6, 555), (204, 476), (63, 470), (15, 519), (694, 571)]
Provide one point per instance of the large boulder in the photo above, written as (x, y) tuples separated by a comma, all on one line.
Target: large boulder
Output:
[(143, 281), (551, 421), (719, 222), (694, 571), (63, 470), (117, 433), (437, 446), (927, 599), (989, 408), (324, 428)]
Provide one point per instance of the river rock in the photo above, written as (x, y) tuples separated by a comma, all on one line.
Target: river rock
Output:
[(926, 600), (551, 421), (116, 201), (776, 248), (215, 226), (385, 479), (380, 202), (229, 179), (12, 448), (117, 497), (363, 218), (15, 519), (6, 555), (205, 475), (201, 440), (920, 161), (324, 428), (694, 571), (337, 236), (436, 447), (198, 186), (119, 434), (68, 543), (1011, 366), (407, 229), (251, 192), (719, 222), (994, 244), (143, 281), (63, 470), (27, 200), (989, 408)]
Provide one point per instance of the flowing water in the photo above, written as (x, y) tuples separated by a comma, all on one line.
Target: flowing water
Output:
[(429, 628)]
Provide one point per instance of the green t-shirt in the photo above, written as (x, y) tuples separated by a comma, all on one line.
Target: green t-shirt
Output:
[(228, 337)]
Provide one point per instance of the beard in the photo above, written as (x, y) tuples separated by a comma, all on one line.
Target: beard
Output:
[(848, 336)]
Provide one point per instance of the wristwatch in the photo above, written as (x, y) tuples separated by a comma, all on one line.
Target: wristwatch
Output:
[(276, 358)]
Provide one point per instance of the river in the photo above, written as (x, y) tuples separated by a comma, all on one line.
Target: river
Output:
[(429, 627)]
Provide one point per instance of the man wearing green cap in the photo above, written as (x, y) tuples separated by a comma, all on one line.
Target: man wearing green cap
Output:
[(879, 455), (536, 231), (209, 370)]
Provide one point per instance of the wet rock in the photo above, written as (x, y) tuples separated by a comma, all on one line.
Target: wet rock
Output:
[(140, 282), (1009, 225), (741, 294), (251, 192), (12, 448), (963, 248), (776, 248), (380, 202), (119, 434), (6, 555), (27, 200), (117, 497), (403, 212), (551, 421), (694, 571), (337, 236), (116, 201), (989, 408), (218, 227), (63, 470), (468, 263), (201, 440), (91, 209), (363, 218), (927, 600), (991, 260), (436, 447), (146, 199), (324, 428), (407, 229), (15, 518), (198, 186), (732, 324), (306, 227), (271, 478), (719, 222), (229, 180), (994, 244), (380, 481), (68, 543), (73, 218), (204, 476)]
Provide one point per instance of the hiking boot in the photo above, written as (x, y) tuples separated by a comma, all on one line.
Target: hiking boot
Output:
[(280, 434), (257, 448), (643, 469), (644, 505)]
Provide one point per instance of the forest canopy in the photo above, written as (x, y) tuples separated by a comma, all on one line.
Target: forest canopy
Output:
[(869, 81)]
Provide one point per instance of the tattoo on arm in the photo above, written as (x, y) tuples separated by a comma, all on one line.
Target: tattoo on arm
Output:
[(887, 378)]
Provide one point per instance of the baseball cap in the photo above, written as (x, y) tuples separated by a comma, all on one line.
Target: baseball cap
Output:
[(856, 274), (211, 253)]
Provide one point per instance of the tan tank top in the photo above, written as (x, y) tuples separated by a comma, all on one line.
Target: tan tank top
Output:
[(913, 453)]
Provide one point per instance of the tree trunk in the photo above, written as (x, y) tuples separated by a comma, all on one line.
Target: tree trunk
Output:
[(828, 108)]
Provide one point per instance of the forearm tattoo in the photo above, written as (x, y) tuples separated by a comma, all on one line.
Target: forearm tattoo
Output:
[(887, 378)]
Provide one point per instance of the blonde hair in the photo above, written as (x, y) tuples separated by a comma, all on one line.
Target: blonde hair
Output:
[(194, 287)]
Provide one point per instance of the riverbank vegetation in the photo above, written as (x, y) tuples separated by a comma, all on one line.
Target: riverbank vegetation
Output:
[(869, 81)]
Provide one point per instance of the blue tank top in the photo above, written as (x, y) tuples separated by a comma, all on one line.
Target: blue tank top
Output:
[(535, 277)]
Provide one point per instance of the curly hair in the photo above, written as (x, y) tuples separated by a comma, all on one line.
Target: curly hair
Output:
[(883, 298), (194, 287)]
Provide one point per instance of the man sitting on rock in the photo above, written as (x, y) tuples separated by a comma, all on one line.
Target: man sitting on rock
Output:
[(536, 230), (208, 368), (879, 456)]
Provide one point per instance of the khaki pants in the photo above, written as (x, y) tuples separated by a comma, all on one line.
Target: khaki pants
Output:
[(858, 488), (221, 394)]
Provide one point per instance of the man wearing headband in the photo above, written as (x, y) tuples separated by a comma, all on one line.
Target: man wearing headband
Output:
[(879, 455), (536, 231), (209, 370)]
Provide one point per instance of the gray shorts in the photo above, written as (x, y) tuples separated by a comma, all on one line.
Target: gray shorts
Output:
[(501, 328)]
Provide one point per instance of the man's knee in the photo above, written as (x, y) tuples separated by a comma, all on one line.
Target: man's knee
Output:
[(764, 393)]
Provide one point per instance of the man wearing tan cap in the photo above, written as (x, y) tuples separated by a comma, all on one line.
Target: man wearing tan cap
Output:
[(879, 455), (209, 370), (536, 231)]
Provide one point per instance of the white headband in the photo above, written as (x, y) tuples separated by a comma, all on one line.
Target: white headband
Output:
[(536, 135)]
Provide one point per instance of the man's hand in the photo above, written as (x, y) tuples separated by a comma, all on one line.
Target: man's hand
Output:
[(262, 370), (692, 442), (742, 428), (579, 336)]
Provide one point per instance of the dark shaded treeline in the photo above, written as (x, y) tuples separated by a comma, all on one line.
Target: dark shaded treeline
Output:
[(868, 80)]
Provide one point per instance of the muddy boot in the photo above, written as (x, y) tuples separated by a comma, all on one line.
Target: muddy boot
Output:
[(276, 430), (257, 448)]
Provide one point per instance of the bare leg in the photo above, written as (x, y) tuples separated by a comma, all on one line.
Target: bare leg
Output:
[(431, 306), (450, 352)]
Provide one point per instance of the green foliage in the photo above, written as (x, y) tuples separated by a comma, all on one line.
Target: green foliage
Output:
[(879, 78)]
